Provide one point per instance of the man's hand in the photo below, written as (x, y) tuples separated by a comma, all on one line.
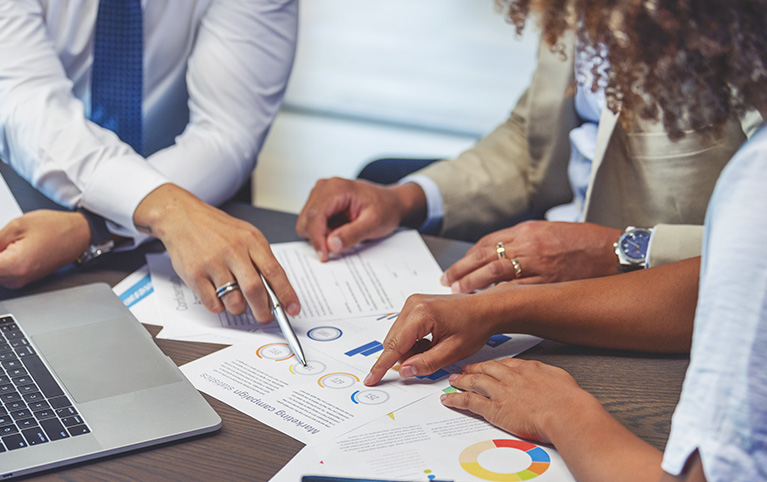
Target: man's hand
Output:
[(458, 326), (38, 243), (340, 213), (520, 396), (546, 251), (209, 248)]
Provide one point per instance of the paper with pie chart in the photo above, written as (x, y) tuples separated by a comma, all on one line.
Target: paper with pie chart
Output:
[(426, 441)]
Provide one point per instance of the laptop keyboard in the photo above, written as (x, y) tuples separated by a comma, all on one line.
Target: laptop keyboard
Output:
[(34, 409)]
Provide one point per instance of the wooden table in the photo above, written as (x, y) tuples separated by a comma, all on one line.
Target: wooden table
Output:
[(639, 390)]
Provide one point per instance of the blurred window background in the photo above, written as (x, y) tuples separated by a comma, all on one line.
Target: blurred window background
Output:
[(389, 78)]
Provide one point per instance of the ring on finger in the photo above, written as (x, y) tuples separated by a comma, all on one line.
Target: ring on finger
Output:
[(500, 250), (517, 267), (227, 288)]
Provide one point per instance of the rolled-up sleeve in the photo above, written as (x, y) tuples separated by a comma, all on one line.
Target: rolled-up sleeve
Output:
[(45, 135)]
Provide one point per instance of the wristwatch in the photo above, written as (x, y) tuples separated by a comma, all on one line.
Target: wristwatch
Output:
[(631, 248), (101, 239)]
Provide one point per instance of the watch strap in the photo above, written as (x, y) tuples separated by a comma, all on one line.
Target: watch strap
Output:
[(101, 239)]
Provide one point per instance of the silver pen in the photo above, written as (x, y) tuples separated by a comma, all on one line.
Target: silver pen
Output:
[(282, 320)]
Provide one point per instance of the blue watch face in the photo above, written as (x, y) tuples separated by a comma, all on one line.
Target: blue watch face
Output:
[(634, 245)]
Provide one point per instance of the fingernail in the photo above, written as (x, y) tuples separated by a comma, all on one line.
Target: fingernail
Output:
[(443, 279), (335, 244), (294, 309), (368, 379), (319, 255), (442, 397), (455, 287), (407, 372), (453, 377)]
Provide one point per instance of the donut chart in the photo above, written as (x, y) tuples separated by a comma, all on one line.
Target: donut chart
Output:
[(275, 351), (469, 460)]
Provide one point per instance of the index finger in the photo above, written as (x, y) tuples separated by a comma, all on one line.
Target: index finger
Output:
[(313, 224), (475, 258), (267, 265), (328, 198)]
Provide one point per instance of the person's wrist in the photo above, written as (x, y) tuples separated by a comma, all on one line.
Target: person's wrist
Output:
[(502, 307), (91, 235), (610, 266), (80, 231), (410, 203), (159, 209), (576, 407)]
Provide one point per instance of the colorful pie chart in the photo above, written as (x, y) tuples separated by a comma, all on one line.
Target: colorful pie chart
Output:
[(469, 460)]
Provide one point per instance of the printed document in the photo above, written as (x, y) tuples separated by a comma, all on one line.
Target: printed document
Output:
[(373, 279), (312, 403), (427, 440), (326, 398)]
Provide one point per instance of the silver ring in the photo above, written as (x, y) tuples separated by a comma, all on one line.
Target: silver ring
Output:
[(227, 288), (517, 268), (500, 250)]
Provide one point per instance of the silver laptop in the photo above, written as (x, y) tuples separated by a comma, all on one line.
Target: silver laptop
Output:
[(81, 378)]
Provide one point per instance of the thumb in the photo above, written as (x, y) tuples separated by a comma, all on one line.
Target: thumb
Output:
[(438, 356)]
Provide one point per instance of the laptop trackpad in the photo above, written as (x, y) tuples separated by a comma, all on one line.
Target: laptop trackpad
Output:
[(104, 359)]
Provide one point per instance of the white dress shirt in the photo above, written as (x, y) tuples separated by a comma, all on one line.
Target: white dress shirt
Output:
[(215, 72)]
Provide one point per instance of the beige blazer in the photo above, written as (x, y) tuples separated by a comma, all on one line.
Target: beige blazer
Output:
[(639, 177)]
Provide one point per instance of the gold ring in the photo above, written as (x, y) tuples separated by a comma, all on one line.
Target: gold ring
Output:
[(500, 250), (517, 268)]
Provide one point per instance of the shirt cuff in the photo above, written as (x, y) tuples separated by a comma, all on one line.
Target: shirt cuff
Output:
[(435, 210), (648, 255), (673, 242), (117, 187)]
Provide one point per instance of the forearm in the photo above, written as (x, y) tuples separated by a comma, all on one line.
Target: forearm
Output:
[(649, 310), (596, 447), (165, 208)]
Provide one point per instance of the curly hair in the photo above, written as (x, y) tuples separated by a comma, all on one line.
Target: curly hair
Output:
[(694, 64)]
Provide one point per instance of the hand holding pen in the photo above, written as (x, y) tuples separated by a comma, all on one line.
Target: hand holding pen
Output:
[(282, 320)]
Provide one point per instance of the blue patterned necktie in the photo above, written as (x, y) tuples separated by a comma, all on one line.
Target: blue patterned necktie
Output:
[(117, 80)]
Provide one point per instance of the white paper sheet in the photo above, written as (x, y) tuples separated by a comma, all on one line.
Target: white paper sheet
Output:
[(9, 208), (426, 440), (375, 279), (305, 462), (339, 358), (311, 404)]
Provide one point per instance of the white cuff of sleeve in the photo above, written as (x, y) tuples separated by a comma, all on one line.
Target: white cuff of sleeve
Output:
[(116, 189), (435, 210), (647, 261)]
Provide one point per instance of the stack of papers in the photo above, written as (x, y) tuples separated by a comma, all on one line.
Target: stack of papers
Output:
[(348, 305)]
